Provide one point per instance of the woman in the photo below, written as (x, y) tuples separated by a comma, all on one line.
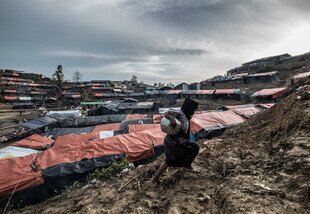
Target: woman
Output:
[(180, 150)]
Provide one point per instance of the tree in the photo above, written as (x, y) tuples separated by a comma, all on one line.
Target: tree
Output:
[(134, 79), (58, 76), (77, 76), (160, 85)]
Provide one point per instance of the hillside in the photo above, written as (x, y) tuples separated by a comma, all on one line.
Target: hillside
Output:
[(261, 166)]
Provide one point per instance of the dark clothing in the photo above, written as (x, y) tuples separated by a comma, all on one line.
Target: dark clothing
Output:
[(180, 153), (188, 108)]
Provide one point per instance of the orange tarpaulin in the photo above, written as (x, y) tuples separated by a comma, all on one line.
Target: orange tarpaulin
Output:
[(107, 127), (35, 142), (75, 139), (18, 172), (141, 127), (10, 98), (174, 91), (274, 92), (300, 77), (214, 119), (135, 116), (136, 146), (207, 92), (247, 111)]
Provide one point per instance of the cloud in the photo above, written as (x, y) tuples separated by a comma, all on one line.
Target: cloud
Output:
[(158, 40)]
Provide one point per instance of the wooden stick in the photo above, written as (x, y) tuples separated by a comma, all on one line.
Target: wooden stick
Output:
[(139, 186), (130, 180)]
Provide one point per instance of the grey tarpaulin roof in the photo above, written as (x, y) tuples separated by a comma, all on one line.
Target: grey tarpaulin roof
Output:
[(94, 120), (64, 131), (124, 125), (19, 104), (39, 122), (61, 115)]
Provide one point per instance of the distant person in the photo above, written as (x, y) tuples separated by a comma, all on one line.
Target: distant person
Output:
[(180, 148)]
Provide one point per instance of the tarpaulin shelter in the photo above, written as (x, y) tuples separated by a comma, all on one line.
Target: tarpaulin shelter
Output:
[(237, 106), (203, 125), (136, 107), (16, 105), (107, 127), (72, 157), (124, 125), (17, 174), (300, 77), (94, 120), (10, 91), (135, 116), (106, 109), (64, 114), (269, 94), (35, 142), (39, 123), (174, 92), (136, 146), (10, 98), (265, 105), (14, 151), (246, 111), (227, 91), (140, 127), (65, 131), (75, 139), (227, 94), (25, 98), (93, 103), (34, 178), (164, 110), (204, 94), (258, 78)]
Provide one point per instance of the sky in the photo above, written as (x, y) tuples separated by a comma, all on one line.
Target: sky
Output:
[(156, 40)]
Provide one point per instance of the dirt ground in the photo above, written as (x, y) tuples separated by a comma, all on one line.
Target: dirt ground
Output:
[(8, 119), (261, 166)]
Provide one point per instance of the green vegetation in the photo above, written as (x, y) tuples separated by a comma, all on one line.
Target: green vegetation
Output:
[(108, 172), (58, 76), (134, 79)]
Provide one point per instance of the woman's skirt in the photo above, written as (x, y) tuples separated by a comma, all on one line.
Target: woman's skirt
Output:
[(180, 152)]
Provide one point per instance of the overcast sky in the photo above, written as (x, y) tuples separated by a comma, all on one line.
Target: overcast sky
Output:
[(157, 40)]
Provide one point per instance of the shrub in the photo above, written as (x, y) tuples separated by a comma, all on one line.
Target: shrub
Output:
[(108, 172)]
